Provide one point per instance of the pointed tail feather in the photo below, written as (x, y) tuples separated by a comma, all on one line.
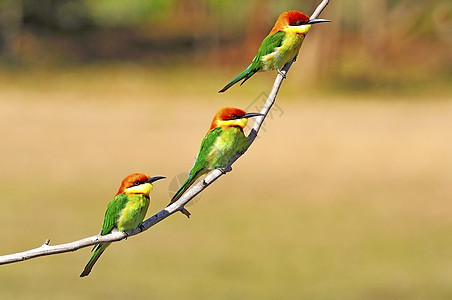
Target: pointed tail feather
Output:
[(190, 180), (245, 75), (98, 250), (192, 177)]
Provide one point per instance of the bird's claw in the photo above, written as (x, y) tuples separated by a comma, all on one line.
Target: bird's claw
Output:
[(185, 212), (281, 73), (141, 227), (226, 169)]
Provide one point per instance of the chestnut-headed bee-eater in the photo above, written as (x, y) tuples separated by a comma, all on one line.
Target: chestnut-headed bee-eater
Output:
[(126, 211), (223, 141), (280, 46)]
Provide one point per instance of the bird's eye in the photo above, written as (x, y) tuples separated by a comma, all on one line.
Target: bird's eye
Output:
[(298, 23), (234, 116), (137, 182)]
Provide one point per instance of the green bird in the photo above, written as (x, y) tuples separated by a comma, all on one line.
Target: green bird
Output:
[(126, 211), (223, 141), (280, 46)]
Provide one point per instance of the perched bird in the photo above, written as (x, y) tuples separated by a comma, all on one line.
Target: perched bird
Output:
[(222, 142), (280, 46), (126, 211)]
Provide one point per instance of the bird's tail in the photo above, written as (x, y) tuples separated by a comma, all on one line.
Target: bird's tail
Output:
[(192, 177), (245, 75), (98, 250)]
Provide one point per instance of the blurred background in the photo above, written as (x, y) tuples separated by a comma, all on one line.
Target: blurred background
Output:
[(345, 194)]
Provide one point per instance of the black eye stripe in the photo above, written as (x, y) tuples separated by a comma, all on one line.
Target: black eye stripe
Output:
[(298, 23)]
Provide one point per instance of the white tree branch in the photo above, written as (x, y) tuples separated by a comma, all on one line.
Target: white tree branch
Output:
[(319, 9), (115, 236)]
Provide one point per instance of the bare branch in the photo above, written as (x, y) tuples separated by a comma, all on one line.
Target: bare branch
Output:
[(115, 236), (319, 9)]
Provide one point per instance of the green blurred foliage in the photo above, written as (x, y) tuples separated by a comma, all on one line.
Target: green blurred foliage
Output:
[(393, 45), (372, 43), (111, 13)]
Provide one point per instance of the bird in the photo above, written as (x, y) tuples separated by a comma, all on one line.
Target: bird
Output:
[(223, 141), (126, 211), (280, 46)]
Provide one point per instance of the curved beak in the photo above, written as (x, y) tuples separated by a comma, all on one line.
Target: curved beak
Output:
[(152, 179), (313, 21), (250, 115)]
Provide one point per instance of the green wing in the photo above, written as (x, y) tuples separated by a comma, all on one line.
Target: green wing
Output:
[(111, 219), (268, 46), (200, 166), (112, 214), (206, 146)]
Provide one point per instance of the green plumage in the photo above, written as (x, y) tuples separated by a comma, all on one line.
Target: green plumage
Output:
[(217, 149), (113, 211), (124, 212), (268, 46)]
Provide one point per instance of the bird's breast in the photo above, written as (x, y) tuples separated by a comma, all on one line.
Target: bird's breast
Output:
[(133, 213), (289, 48), (231, 141)]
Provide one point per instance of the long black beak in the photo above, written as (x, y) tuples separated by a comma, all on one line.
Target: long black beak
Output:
[(250, 115), (152, 179), (313, 21)]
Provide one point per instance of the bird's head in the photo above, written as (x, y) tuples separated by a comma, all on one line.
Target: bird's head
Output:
[(138, 183), (295, 21), (231, 116)]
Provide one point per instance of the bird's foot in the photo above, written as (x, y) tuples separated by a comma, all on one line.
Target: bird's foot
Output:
[(281, 73), (295, 58), (185, 212), (142, 227), (226, 169)]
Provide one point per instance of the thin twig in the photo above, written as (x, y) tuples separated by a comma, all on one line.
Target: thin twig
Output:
[(115, 236), (319, 9)]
